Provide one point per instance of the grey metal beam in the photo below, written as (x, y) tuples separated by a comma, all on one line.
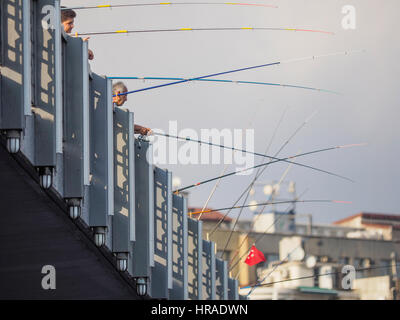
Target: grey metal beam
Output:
[(1, 40), (179, 249), (195, 259), (59, 87), (143, 247), (45, 55), (75, 57), (101, 189), (161, 277), (233, 289), (124, 179), (12, 69), (86, 120), (221, 279), (209, 270), (27, 45)]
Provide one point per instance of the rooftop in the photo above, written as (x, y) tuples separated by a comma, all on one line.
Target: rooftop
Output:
[(371, 216), (209, 216)]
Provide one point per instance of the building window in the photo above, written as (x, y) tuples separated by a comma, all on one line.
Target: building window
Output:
[(359, 264), (271, 257), (316, 277), (398, 268), (300, 230), (386, 269)]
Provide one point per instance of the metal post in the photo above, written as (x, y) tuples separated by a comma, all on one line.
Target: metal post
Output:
[(58, 79), (195, 259), (123, 226), (180, 249), (162, 270), (12, 69), (27, 47), (101, 190), (124, 185), (209, 292), (233, 289), (143, 247), (86, 121), (45, 55), (221, 279), (74, 120)]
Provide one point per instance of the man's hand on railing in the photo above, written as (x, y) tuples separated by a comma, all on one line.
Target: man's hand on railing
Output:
[(90, 52), (142, 130)]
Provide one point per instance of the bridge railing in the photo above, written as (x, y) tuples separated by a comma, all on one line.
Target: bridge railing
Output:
[(60, 115)]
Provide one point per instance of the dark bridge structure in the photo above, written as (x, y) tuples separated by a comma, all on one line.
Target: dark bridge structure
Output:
[(78, 191)]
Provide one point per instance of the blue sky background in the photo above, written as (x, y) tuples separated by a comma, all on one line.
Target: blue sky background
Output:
[(366, 111)]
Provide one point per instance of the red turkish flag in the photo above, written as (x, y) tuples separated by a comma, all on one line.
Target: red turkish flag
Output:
[(255, 256)]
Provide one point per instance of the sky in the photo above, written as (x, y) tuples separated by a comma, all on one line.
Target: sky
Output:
[(365, 111)]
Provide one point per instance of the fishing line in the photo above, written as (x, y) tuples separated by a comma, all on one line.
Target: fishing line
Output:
[(233, 71), (227, 81), (168, 4), (259, 214), (271, 162), (257, 173), (270, 203), (125, 31), (264, 233)]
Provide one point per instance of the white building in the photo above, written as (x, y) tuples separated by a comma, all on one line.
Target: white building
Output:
[(301, 276)]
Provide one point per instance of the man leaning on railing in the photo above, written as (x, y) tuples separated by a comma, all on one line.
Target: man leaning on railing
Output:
[(67, 20), (119, 100)]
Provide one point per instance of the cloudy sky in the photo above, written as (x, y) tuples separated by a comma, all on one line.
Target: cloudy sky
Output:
[(367, 109)]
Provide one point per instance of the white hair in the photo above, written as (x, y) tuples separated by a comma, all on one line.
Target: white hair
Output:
[(119, 86)]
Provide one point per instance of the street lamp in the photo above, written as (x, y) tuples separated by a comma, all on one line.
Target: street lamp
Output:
[(141, 286), (45, 177), (122, 261), (74, 208), (99, 236), (13, 141)]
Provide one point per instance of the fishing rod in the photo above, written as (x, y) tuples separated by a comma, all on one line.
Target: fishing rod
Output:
[(212, 192), (264, 233), (222, 173), (252, 288), (269, 203), (261, 170), (264, 168), (124, 31), (237, 70), (259, 214), (168, 4), (214, 145), (241, 211), (275, 161), (227, 81), (256, 175)]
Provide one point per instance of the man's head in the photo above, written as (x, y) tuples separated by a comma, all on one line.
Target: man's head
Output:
[(118, 88), (67, 19)]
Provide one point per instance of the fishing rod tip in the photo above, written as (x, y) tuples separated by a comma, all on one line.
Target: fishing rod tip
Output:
[(353, 145), (342, 202)]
